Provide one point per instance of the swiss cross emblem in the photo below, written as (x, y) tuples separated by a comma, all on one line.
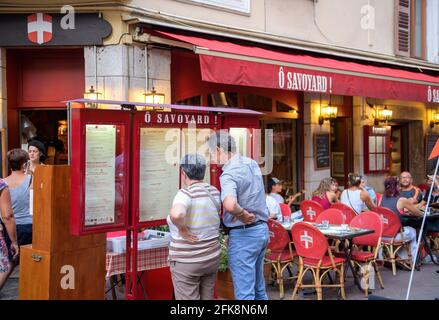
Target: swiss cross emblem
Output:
[(311, 213), (39, 28), (384, 220), (306, 240)]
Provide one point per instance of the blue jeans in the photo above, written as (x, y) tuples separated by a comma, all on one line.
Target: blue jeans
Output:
[(246, 261)]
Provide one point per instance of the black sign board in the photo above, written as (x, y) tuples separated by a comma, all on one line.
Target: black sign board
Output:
[(430, 141), (322, 151), (52, 29)]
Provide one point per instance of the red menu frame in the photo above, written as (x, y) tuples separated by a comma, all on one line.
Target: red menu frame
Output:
[(80, 117)]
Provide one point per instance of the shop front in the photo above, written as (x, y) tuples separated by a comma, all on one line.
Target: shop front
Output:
[(302, 96), (44, 63)]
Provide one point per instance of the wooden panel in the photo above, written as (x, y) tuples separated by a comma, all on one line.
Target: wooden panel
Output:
[(51, 227), (42, 280), (34, 275), (89, 274)]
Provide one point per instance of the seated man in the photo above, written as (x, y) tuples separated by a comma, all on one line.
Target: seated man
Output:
[(407, 189), (275, 188), (273, 208)]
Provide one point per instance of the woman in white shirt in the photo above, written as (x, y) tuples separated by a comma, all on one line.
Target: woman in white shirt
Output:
[(356, 197)]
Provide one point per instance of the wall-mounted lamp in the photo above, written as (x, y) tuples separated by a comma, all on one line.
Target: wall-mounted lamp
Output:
[(92, 94), (382, 115), (154, 98), (327, 113), (434, 118)]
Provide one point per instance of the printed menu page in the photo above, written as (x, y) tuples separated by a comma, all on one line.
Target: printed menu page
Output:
[(100, 167), (195, 141), (159, 171)]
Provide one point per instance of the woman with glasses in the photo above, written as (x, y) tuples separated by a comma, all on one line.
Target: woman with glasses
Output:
[(369, 189)]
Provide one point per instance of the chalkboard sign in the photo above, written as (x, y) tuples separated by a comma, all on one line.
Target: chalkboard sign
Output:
[(430, 141), (322, 151)]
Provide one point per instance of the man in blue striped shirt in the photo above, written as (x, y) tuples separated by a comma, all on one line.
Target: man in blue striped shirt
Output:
[(245, 213)]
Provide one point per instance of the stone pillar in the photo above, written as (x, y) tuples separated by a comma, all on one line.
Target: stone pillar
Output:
[(119, 72), (159, 71), (106, 69), (311, 112)]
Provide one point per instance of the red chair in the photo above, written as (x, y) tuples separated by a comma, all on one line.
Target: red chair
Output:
[(311, 247), (285, 210), (279, 252), (334, 216), (365, 259), (310, 210), (391, 228), (347, 211)]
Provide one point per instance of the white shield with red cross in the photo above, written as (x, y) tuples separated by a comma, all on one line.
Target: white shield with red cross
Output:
[(39, 28), (306, 240)]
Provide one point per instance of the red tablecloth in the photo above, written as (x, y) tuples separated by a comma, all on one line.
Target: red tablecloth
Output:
[(147, 259)]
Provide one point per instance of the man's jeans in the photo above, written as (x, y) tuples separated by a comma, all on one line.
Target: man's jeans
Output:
[(246, 261)]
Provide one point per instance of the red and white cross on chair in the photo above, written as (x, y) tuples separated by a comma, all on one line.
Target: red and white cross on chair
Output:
[(306, 240)]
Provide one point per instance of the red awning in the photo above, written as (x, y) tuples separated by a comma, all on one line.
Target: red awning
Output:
[(230, 63)]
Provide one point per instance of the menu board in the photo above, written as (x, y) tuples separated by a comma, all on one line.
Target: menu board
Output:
[(195, 141), (322, 149), (241, 139), (100, 169), (430, 141), (159, 171)]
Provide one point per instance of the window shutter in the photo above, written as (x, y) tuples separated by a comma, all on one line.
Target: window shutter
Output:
[(402, 28)]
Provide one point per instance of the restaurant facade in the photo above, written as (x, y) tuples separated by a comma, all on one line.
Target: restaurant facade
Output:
[(330, 114)]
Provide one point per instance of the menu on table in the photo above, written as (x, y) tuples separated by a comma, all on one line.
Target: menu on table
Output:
[(100, 169), (159, 171)]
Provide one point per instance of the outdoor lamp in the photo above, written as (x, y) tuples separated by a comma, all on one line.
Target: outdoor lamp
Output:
[(327, 113), (154, 98), (434, 119), (383, 115), (92, 94)]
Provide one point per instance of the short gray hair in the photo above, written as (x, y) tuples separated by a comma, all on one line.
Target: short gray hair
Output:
[(194, 165), (223, 140)]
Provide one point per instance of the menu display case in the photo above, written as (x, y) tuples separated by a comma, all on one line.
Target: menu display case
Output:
[(100, 171), (125, 163), (162, 140)]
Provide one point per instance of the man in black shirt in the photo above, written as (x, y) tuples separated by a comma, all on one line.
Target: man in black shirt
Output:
[(408, 190)]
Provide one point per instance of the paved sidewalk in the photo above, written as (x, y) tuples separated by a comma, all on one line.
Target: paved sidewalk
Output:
[(425, 287)]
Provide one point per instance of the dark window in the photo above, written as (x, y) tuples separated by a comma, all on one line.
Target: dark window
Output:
[(223, 99), (256, 102)]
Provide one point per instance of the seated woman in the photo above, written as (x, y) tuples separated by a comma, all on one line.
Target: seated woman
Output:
[(356, 197), (369, 189), (325, 194), (392, 200)]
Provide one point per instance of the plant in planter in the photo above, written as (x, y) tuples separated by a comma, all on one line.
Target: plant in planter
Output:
[(225, 283)]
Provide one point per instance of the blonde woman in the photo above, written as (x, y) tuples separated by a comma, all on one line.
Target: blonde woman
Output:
[(326, 193)]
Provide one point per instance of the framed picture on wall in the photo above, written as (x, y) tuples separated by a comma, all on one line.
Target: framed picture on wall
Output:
[(337, 164)]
